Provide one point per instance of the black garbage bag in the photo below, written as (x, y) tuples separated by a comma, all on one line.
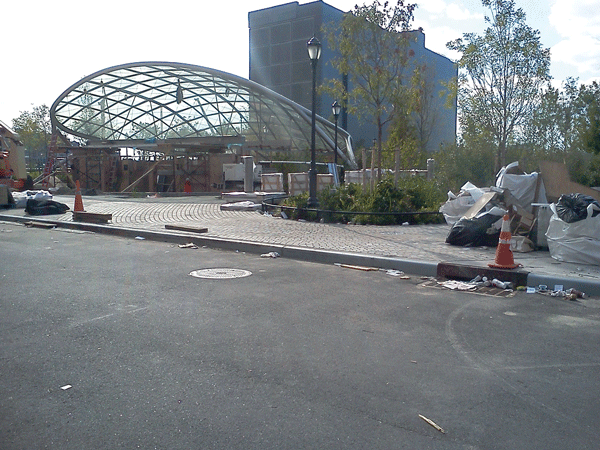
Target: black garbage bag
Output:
[(44, 207), (476, 232), (573, 207), (10, 203)]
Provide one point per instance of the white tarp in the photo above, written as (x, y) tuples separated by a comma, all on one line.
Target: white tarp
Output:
[(241, 206), (457, 205), (522, 187), (576, 242)]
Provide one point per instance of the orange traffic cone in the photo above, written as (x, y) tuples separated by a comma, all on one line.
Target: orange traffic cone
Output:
[(78, 200), (504, 256)]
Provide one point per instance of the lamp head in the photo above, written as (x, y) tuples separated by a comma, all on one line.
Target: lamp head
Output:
[(336, 108), (314, 49)]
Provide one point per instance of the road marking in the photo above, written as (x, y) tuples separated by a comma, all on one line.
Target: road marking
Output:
[(550, 366), (106, 316)]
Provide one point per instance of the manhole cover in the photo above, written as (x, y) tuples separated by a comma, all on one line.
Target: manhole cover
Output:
[(220, 274)]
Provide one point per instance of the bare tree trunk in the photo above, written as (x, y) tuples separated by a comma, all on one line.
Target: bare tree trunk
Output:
[(379, 138), (372, 180), (364, 168), (501, 156), (397, 167)]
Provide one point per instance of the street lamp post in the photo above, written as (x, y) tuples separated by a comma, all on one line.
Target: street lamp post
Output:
[(336, 108), (314, 53)]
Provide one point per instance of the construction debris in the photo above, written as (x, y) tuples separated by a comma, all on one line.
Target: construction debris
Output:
[(479, 285), (457, 285), (90, 217), (22, 197), (189, 245), (270, 255), (45, 207), (432, 423), (47, 226), (185, 228), (483, 281), (363, 268), (241, 206), (574, 230), (475, 214), (394, 273), (558, 291)]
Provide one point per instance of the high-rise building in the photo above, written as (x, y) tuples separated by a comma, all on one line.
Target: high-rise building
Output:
[(279, 60)]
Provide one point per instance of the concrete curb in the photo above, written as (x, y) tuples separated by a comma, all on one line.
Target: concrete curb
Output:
[(421, 268)]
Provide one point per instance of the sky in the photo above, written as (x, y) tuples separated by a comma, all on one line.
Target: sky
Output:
[(50, 45)]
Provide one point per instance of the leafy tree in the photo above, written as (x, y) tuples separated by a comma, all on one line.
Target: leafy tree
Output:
[(373, 43), (465, 161), (424, 112), (552, 130), (34, 129), (590, 120), (505, 70)]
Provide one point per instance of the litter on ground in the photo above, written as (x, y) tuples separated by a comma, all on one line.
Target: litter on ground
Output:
[(270, 255), (363, 268), (189, 245)]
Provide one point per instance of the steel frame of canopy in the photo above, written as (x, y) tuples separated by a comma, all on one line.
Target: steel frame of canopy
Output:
[(166, 101)]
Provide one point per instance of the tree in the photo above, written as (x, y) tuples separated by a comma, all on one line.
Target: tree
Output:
[(506, 69), (590, 120), (34, 129), (552, 128), (424, 113), (373, 43)]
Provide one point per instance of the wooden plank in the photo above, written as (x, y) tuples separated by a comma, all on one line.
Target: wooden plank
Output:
[(480, 204), (183, 228), (83, 216), (34, 224)]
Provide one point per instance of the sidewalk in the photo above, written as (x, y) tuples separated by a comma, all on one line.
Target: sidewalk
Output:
[(417, 250)]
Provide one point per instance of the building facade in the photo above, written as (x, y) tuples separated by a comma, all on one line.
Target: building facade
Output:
[(279, 60)]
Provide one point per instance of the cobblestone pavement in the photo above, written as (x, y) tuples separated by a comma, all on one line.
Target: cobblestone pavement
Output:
[(424, 243)]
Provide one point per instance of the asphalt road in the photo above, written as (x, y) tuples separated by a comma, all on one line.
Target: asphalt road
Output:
[(110, 343)]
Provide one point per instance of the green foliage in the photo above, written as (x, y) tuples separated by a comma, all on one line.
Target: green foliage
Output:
[(590, 120), (504, 71), (34, 129), (465, 161), (552, 128), (585, 169), (373, 45), (413, 194)]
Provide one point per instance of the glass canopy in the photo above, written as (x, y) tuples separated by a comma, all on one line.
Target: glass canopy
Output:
[(161, 101)]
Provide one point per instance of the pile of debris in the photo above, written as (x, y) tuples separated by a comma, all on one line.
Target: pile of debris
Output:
[(563, 216)]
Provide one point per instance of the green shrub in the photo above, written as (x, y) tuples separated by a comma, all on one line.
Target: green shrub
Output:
[(413, 194)]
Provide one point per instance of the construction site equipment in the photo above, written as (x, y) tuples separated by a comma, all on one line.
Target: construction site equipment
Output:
[(13, 172), (50, 161)]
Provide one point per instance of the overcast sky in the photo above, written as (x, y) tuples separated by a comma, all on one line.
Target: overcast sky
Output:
[(50, 45)]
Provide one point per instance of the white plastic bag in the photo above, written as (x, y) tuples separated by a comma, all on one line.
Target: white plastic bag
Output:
[(576, 242), (22, 197)]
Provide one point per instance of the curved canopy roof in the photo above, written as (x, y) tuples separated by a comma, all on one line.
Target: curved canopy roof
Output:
[(162, 100)]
